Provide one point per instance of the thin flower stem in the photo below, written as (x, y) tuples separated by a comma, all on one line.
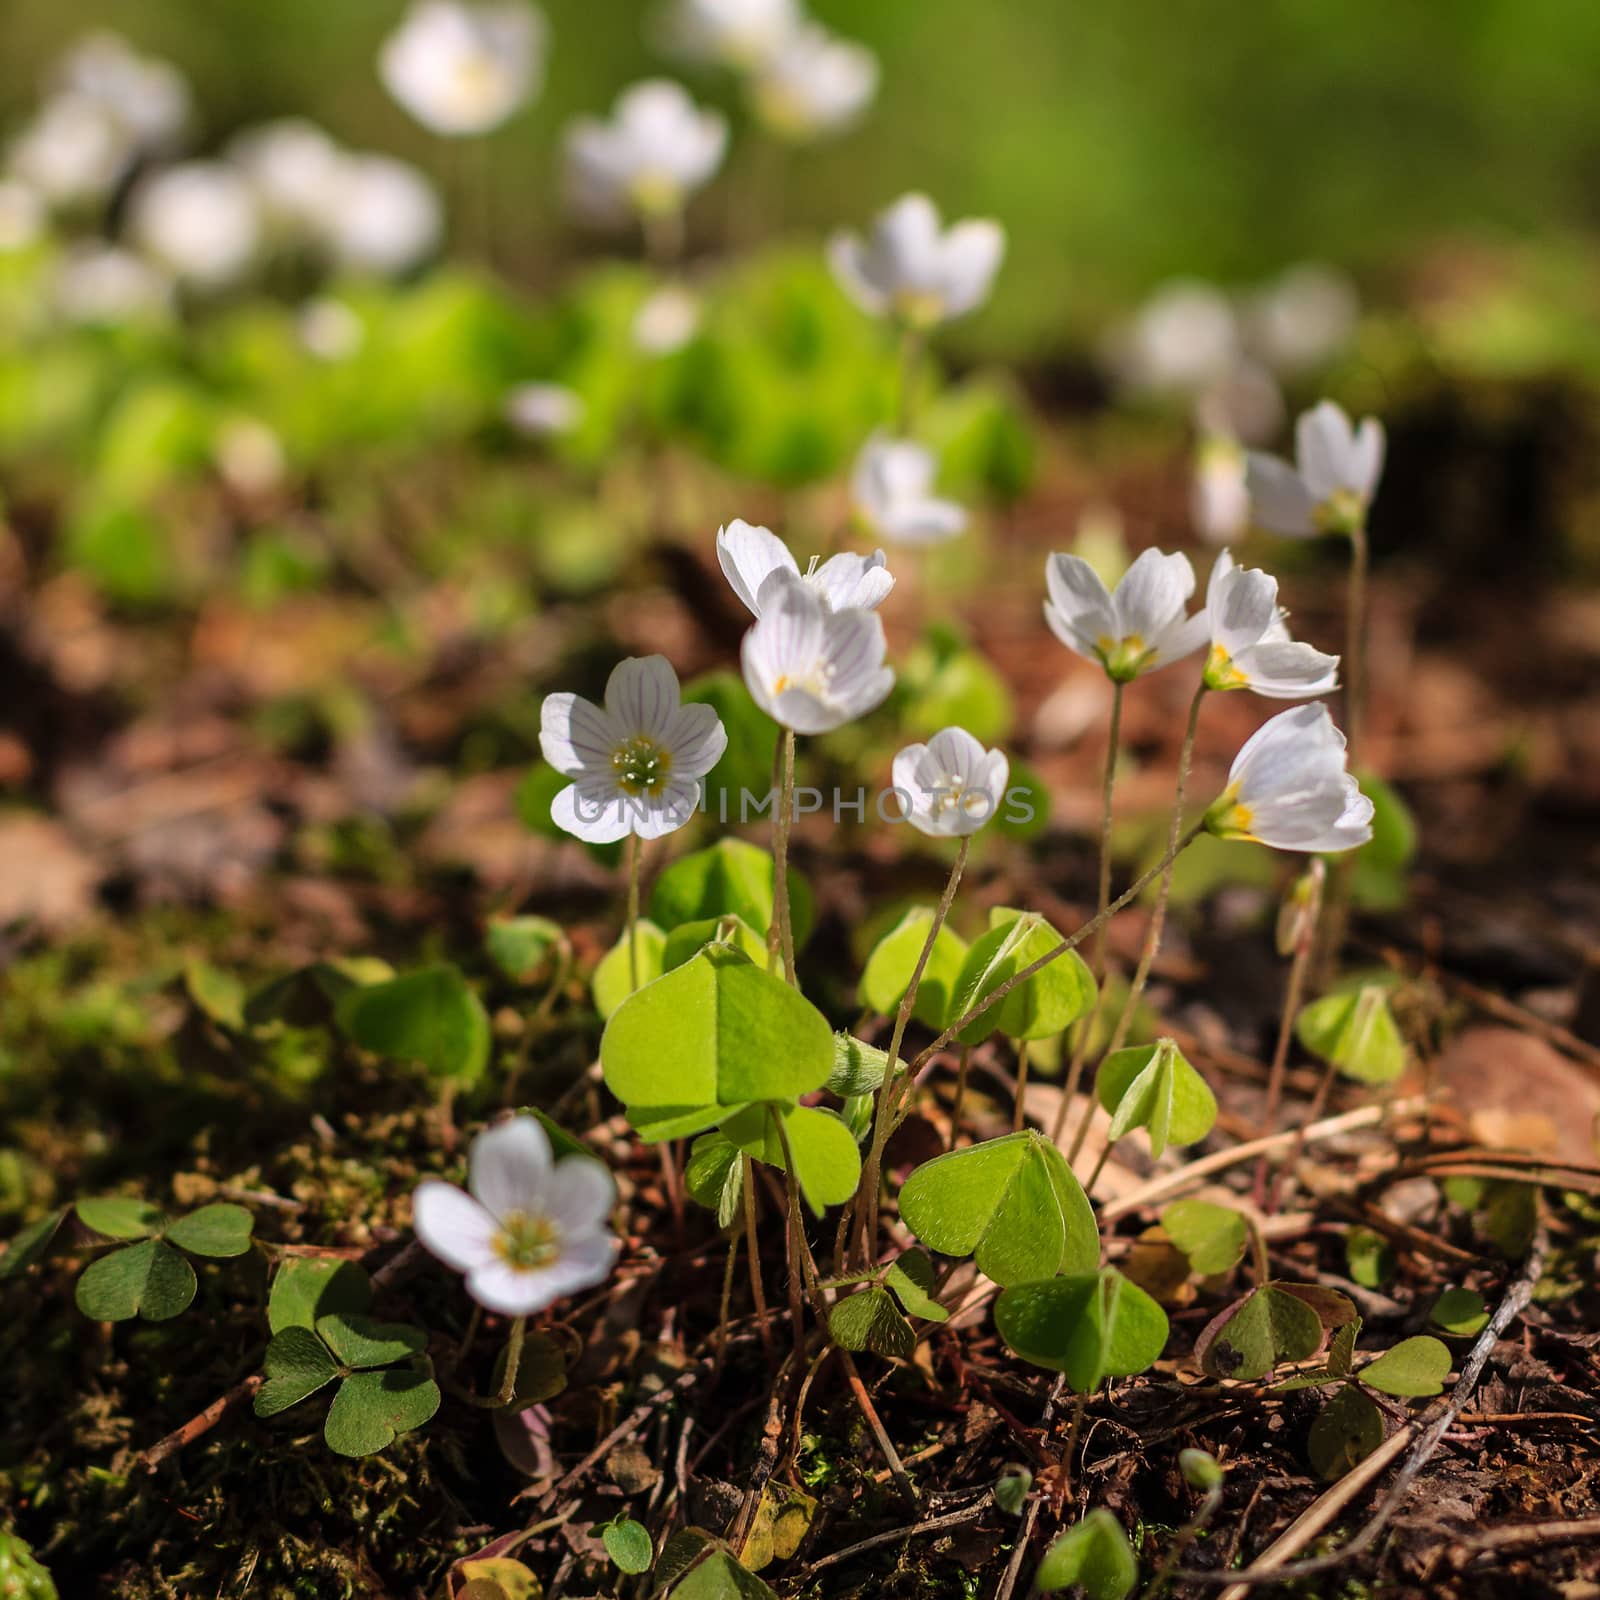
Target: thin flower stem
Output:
[(727, 1299), (1305, 945), (508, 1384), (1018, 1116), (1099, 1166), (961, 1093), (905, 400), (1097, 965), (663, 237), (1355, 645), (781, 935), (634, 853), (752, 1250), (797, 1299), (466, 1339), (882, 1123)]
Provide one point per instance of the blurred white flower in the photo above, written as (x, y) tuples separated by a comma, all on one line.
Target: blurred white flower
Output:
[(1139, 627), (147, 96), (636, 762), (200, 220), (891, 489), (951, 785), (811, 669), (1288, 788), (331, 330), (461, 68), (656, 148), (1303, 319), (381, 215), (23, 217), (544, 410), (751, 558), (531, 1231), (911, 269), (73, 152), (1250, 643), (1182, 339), (736, 33), (667, 321), (294, 166), (1245, 403), (250, 456), (105, 285), (1219, 496), (1332, 482), (813, 84)]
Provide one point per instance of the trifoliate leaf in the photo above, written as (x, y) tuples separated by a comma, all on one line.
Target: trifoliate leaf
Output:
[(783, 1517), (1255, 1334), (432, 1017), (117, 1218), (219, 1230), (148, 1279), (910, 1277), (1369, 1257), (372, 1408), (1090, 1327), (307, 1287), (519, 946), (1212, 1237), (1355, 1030), (1049, 1001), (1012, 1203), (612, 981), (1152, 1086), (894, 958), (827, 1158), (297, 1364), (858, 1068), (628, 1544), (360, 1341), (731, 878), (1461, 1312), (870, 1320), (720, 1577), (1095, 1555), (1414, 1367), (1347, 1430)]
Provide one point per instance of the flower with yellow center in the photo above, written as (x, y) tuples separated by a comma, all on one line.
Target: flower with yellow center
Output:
[(1250, 643), (811, 84), (951, 785), (463, 69), (1330, 486), (1140, 626)]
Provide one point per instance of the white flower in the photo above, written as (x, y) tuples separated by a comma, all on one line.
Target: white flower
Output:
[(752, 557), (737, 33), (22, 216), (73, 152), (463, 69), (891, 491), (101, 284), (330, 329), (636, 763), (1245, 404), (1304, 319), (380, 215), (1332, 482), (909, 269), (667, 320), (543, 410), (1250, 643), (200, 220), (1219, 496), (250, 456), (1184, 338), (1288, 788), (1139, 626), (147, 96), (813, 84), (951, 785), (294, 166), (653, 152), (531, 1231), (811, 669)]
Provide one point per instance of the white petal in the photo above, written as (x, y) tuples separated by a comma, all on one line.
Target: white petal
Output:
[(1081, 598), (509, 1166), (1286, 670), (847, 580), (1242, 603), (1070, 634), (580, 1195), (1366, 460), (1281, 501), (905, 240), (575, 735), (594, 811), (847, 256), (519, 1291), (853, 648), (657, 815), (748, 556), (1182, 638), (695, 738), (1152, 594), (1324, 450), (452, 1225), (924, 522), (972, 252), (642, 696)]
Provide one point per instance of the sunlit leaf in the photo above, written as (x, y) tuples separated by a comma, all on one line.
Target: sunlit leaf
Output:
[(1355, 1030), (432, 1017), (894, 958), (1414, 1367), (219, 1230), (148, 1279), (1153, 1086), (372, 1408), (1095, 1555), (1213, 1237), (1090, 1327), (612, 981), (1051, 999), (826, 1157)]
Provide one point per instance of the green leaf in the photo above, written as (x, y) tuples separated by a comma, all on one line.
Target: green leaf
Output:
[(655, 1124), (31, 1243), (1152, 1086), (717, 1031), (297, 1364), (1414, 1367), (720, 1577), (307, 1287), (1012, 1203), (1347, 1430), (1342, 1349), (519, 946), (826, 1157), (910, 1276), (1252, 1336), (870, 1320), (1201, 1470), (731, 878), (117, 1218), (308, 997), (1213, 1237), (149, 1279), (1355, 1030), (628, 1544), (360, 1341), (690, 937), (612, 981), (894, 958), (858, 1067), (1011, 1490), (432, 1016), (1369, 1257), (372, 1408), (1095, 1555), (1379, 878), (1458, 1311), (714, 1176), (219, 995), (218, 1230), (1091, 1326), (1052, 999)]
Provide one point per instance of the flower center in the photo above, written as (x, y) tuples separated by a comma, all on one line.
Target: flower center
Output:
[(656, 193), (641, 766), (1124, 658), (951, 795), (1227, 818), (1221, 673), (476, 81), (526, 1241), (919, 308), (1342, 512)]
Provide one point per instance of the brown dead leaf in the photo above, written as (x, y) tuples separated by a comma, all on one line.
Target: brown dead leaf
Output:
[(45, 879)]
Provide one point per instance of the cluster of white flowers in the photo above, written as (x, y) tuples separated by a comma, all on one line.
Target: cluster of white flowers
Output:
[(463, 69)]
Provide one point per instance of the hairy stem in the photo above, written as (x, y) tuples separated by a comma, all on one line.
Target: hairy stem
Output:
[(752, 1249), (634, 853), (781, 934)]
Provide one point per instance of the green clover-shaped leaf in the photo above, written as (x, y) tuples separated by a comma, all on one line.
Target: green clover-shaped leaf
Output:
[(31, 1243), (730, 878), (307, 1287), (1213, 1237), (827, 1158), (1095, 1555), (1354, 1029), (1153, 1086), (628, 1544), (690, 937), (1413, 1368), (297, 1364), (1247, 1339), (1347, 1430), (910, 1278), (148, 1279), (1458, 1311), (119, 1218), (520, 946), (714, 1176), (219, 1230), (887, 974), (1090, 1326), (858, 1067), (870, 1320), (432, 1017), (362, 1341), (612, 981), (1049, 1001), (373, 1407)]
